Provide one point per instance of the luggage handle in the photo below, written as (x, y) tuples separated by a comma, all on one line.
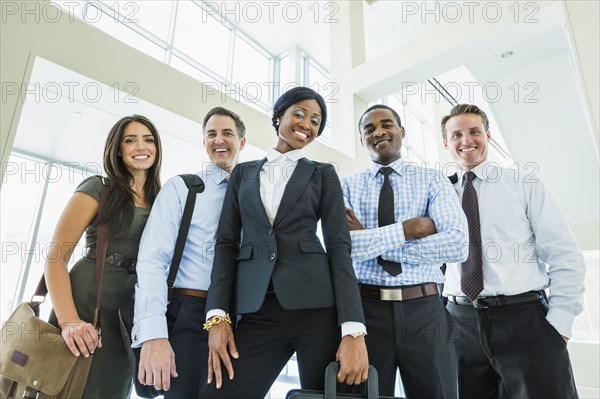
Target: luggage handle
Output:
[(331, 372)]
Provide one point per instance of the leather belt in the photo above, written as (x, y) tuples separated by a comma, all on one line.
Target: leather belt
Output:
[(115, 259), (404, 293), (190, 292), (484, 302)]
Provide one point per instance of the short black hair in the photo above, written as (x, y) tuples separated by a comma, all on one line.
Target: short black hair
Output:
[(379, 106), (239, 124), (294, 96)]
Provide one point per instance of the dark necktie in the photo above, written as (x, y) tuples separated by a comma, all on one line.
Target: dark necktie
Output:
[(471, 275), (386, 217)]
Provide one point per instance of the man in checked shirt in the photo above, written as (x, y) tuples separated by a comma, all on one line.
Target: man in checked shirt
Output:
[(405, 222)]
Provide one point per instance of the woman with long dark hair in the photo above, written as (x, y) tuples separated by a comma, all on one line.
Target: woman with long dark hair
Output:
[(132, 160)]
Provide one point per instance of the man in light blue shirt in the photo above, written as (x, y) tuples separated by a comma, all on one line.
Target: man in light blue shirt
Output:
[(405, 222), (170, 334)]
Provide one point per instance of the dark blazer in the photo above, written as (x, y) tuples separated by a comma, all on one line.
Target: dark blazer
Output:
[(304, 275)]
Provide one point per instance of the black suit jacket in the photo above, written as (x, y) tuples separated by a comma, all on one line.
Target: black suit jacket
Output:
[(249, 251)]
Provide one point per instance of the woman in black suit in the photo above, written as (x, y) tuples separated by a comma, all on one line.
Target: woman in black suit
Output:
[(271, 269)]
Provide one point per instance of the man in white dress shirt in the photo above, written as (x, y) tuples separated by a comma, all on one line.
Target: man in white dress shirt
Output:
[(512, 339)]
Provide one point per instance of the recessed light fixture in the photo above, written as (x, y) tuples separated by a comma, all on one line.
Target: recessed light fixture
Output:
[(506, 54)]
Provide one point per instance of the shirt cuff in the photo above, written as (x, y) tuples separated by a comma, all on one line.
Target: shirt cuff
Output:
[(152, 327), (353, 328), (215, 312), (392, 236), (561, 320)]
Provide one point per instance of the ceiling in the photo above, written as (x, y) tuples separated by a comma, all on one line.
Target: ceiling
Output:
[(541, 115), (84, 110)]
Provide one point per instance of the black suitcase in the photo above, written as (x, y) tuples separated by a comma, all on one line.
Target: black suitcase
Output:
[(331, 384)]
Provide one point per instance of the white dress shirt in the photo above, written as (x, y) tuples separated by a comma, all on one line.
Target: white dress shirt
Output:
[(527, 243), (274, 176)]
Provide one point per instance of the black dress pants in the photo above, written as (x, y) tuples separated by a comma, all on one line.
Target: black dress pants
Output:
[(185, 320), (511, 352), (416, 337), (267, 339)]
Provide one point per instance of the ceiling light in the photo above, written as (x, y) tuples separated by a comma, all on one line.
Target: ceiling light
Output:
[(506, 54)]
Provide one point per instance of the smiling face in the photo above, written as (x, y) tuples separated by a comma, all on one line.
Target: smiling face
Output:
[(467, 140), (137, 148), (222, 141), (381, 135), (298, 126)]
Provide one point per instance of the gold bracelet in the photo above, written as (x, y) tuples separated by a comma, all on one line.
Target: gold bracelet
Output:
[(216, 320)]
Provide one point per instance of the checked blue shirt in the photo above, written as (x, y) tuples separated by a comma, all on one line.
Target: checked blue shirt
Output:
[(417, 192)]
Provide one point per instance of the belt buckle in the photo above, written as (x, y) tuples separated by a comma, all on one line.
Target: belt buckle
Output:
[(387, 294), (477, 305)]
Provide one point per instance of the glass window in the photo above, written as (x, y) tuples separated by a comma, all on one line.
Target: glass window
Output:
[(192, 71), (422, 103), (73, 7), (414, 134), (404, 153), (431, 147), (202, 37), (251, 72), (317, 80), (320, 82), (123, 33), (154, 16), (286, 73), (21, 188), (327, 135), (303, 67), (61, 185), (395, 103)]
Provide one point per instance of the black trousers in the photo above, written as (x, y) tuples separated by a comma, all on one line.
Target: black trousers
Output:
[(267, 339), (185, 319), (511, 352), (416, 337)]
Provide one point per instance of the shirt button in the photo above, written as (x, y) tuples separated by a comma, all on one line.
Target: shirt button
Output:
[(272, 257), (270, 232)]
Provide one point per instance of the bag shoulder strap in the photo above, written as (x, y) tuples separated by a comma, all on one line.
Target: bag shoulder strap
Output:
[(195, 186), (101, 247)]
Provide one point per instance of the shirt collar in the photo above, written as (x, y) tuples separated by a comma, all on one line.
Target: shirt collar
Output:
[(293, 155), (397, 165), (216, 174), (486, 171)]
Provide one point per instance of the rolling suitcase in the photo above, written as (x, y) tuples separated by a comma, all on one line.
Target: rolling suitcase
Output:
[(331, 384)]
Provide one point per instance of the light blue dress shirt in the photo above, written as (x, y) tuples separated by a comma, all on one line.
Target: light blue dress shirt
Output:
[(418, 192), (158, 245)]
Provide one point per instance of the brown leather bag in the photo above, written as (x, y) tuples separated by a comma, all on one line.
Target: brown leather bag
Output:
[(35, 361)]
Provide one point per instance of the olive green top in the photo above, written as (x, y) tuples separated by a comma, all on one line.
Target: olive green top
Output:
[(126, 240)]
